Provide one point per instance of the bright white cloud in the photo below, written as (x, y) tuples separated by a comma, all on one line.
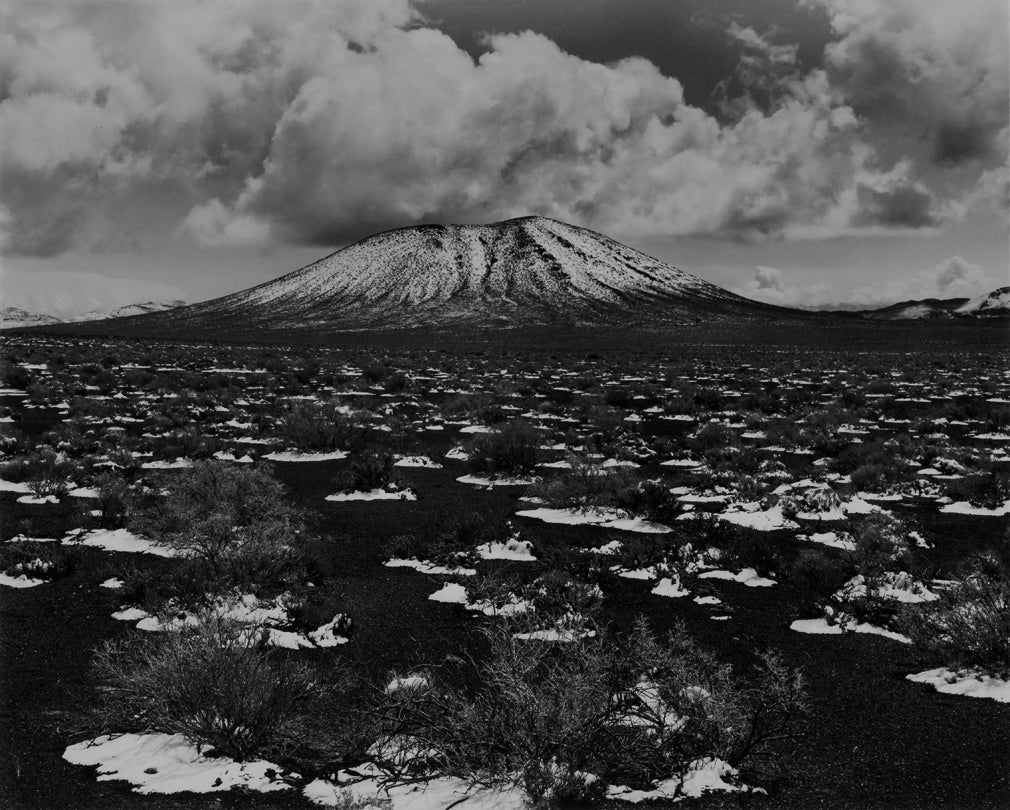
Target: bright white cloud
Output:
[(315, 122)]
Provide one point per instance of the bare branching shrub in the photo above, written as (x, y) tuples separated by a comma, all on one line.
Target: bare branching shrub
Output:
[(584, 486), (214, 510), (542, 715), (881, 546), (969, 625), (510, 451), (216, 684), (369, 471), (309, 426)]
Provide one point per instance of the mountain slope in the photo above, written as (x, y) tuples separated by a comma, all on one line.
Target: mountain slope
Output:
[(518, 273), (995, 303), (144, 308), (14, 317)]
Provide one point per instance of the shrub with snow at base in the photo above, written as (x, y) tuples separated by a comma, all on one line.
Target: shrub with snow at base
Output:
[(216, 684), (563, 721), (968, 627)]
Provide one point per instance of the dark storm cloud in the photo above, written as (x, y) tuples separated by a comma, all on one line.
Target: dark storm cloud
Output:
[(318, 122), (905, 206)]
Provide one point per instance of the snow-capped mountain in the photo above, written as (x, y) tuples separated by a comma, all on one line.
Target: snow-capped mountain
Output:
[(521, 272), (991, 305), (995, 303), (13, 317), (127, 311)]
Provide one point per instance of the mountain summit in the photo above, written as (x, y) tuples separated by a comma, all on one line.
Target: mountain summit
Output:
[(521, 272)]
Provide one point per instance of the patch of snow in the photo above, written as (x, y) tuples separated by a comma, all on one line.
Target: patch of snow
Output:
[(821, 627), (20, 581), (168, 763), (417, 461), (427, 567), (118, 540), (965, 508), (748, 577), (967, 683), (374, 495), (503, 481), (293, 456), (704, 776), (671, 587), (605, 518), (511, 549)]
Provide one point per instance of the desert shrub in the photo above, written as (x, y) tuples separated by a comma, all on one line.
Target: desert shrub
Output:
[(308, 426), (510, 451), (214, 509), (369, 471), (745, 550), (543, 715), (584, 486), (969, 625), (642, 551), (45, 483), (311, 608), (558, 597), (38, 560), (985, 491), (188, 586), (189, 442), (818, 575), (651, 500), (813, 500), (881, 546), (447, 549), (216, 684), (580, 563), (113, 501), (46, 472), (15, 376)]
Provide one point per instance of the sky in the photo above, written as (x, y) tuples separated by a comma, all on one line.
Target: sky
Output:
[(815, 153)]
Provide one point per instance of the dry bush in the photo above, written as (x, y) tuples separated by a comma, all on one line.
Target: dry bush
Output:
[(510, 451), (584, 486), (969, 625), (307, 426), (216, 684), (541, 715)]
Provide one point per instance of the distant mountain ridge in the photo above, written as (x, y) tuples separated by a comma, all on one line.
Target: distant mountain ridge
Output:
[(991, 305), (12, 317)]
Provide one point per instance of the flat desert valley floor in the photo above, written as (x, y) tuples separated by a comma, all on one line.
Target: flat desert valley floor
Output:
[(815, 501)]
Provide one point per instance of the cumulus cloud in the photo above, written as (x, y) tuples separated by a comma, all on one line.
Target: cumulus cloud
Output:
[(932, 71), (770, 285), (318, 122), (951, 278)]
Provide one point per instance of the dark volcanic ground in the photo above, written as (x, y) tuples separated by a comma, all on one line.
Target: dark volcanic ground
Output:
[(874, 740)]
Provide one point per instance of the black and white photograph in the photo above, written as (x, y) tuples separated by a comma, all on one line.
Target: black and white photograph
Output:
[(504, 404)]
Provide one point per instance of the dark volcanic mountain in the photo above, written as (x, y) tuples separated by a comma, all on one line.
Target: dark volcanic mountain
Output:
[(522, 272)]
